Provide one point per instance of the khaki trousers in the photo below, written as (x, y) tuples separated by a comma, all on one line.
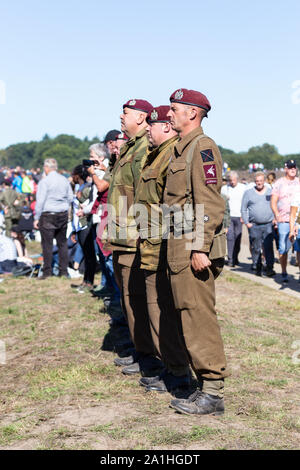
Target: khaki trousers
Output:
[(194, 297), (164, 322), (131, 281)]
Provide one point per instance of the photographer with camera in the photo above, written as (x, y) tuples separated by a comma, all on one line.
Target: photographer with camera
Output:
[(95, 167)]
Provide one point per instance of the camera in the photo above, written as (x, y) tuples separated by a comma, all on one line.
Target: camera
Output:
[(88, 163)]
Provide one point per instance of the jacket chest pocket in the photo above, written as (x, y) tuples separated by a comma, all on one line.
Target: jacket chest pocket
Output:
[(123, 175), (149, 191), (176, 182)]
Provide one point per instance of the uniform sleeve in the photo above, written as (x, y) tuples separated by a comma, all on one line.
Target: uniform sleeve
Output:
[(209, 206), (107, 176), (163, 170)]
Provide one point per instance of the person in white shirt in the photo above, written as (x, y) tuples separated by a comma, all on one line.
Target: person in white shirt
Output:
[(8, 254), (234, 191)]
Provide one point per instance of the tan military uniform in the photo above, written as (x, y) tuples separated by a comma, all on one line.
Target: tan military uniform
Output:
[(161, 309), (122, 240), (194, 294), (12, 202), (123, 180)]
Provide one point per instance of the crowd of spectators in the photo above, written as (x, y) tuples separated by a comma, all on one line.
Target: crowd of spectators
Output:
[(66, 213), (269, 208)]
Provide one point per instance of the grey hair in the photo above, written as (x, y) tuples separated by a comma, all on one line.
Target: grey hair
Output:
[(234, 174), (259, 173), (100, 150), (51, 163)]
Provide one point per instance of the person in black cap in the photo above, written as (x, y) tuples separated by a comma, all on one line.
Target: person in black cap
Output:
[(282, 193), (121, 139), (110, 140)]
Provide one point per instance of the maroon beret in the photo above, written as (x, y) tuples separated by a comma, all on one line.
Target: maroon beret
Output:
[(159, 114), (190, 97), (139, 105)]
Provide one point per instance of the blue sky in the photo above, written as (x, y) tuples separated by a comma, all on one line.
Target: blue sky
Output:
[(68, 66)]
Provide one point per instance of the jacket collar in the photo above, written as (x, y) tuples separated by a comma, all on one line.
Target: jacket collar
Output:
[(131, 142), (181, 145), (155, 152)]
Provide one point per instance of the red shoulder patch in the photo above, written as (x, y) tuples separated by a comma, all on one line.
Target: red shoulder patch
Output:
[(210, 172)]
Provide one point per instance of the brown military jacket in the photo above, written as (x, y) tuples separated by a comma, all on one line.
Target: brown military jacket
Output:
[(122, 234), (149, 193), (207, 203), (12, 201)]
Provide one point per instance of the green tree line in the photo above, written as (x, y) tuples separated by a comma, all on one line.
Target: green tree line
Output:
[(266, 154), (69, 150)]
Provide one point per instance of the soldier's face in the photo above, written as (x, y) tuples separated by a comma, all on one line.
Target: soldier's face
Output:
[(155, 133), (129, 122), (178, 116)]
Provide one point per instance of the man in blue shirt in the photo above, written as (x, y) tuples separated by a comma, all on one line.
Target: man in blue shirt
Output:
[(258, 217), (17, 182), (53, 199)]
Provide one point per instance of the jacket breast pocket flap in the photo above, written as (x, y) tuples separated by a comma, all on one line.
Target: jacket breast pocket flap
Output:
[(177, 166), (150, 174), (123, 161)]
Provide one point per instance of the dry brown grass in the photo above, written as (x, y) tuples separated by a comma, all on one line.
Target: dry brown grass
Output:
[(60, 389)]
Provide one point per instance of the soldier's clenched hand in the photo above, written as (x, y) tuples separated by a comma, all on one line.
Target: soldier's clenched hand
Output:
[(200, 261)]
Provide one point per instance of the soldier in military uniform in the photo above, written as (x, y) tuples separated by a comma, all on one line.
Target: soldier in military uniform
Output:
[(162, 314), (197, 257), (122, 237), (11, 204)]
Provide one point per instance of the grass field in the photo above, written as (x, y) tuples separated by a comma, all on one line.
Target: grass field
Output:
[(59, 388)]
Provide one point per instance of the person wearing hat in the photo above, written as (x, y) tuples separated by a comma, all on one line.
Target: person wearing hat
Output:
[(152, 248), (122, 237), (121, 139), (114, 140), (196, 248), (282, 193), (110, 140)]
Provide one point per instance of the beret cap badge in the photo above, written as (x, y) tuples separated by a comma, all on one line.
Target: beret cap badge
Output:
[(179, 94), (132, 102), (154, 115)]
